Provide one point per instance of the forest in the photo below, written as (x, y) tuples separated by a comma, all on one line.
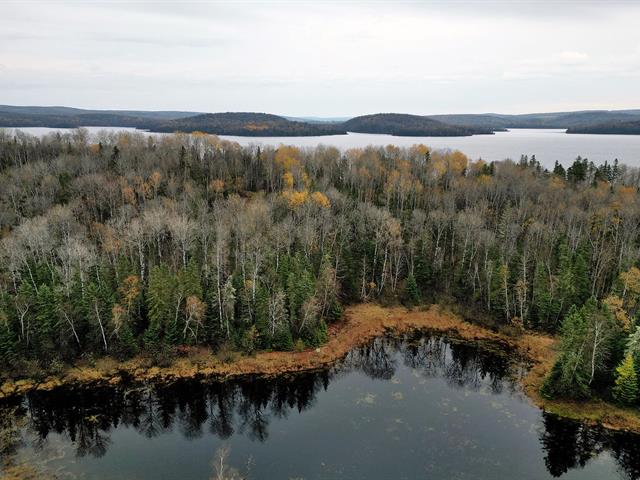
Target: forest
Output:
[(129, 245), (247, 124), (410, 126), (609, 128)]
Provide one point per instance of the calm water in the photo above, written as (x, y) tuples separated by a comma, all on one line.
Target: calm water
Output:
[(547, 145), (397, 409)]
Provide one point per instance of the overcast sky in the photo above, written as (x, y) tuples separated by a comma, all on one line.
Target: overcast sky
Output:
[(322, 58)]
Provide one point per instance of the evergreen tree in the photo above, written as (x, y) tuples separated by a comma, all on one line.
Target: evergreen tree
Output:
[(559, 170), (411, 290), (544, 311), (161, 307), (46, 321), (625, 390), (581, 277), (8, 341)]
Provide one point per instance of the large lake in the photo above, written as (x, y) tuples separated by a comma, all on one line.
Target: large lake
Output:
[(410, 408), (547, 145)]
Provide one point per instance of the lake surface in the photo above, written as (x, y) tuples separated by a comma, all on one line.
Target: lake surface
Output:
[(548, 145), (417, 407)]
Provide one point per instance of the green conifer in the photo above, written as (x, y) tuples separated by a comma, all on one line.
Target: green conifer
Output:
[(625, 390), (411, 290)]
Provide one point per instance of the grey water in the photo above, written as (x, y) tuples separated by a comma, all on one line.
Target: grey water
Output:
[(416, 407), (548, 145)]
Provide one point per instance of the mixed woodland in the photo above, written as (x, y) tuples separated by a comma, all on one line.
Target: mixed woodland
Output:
[(124, 244)]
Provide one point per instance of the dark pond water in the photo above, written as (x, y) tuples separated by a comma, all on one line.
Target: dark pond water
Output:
[(412, 408)]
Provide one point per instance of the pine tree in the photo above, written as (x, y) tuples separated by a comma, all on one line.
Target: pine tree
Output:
[(46, 320), (543, 306), (559, 170), (8, 341), (262, 316), (566, 280), (581, 277), (411, 290), (625, 390), (299, 287), (160, 302)]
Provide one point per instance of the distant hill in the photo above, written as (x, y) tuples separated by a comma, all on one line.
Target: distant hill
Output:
[(230, 123), (539, 120), (263, 124), (408, 125), (248, 124), (612, 128), (9, 119), (78, 112)]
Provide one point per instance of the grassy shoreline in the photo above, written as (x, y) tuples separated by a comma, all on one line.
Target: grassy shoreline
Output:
[(361, 324)]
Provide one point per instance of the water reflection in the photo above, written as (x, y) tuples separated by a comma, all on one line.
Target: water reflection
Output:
[(571, 445), (86, 418)]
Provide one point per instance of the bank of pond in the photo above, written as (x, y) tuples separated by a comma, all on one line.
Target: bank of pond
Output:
[(412, 406)]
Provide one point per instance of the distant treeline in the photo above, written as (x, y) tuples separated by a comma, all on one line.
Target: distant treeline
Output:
[(246, 124), (262, 124), (615, 128)]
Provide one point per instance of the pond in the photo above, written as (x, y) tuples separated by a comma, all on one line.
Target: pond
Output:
[(403, 408)]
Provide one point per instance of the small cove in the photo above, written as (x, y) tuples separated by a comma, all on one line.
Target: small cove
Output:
[(417, 406)]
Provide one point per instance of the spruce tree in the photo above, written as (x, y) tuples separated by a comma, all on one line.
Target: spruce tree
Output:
[(160, 303), (625, 390), (411, 290), (8, 342), (581, 276)]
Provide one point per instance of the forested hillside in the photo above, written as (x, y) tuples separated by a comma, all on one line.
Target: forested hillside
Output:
[(247, 124), (145, 245), (569, 120), (410, 126), (611, 128)]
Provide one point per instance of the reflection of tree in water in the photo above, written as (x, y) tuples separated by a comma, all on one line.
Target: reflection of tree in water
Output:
[(568, 445), (376, 359), (462, 364), (87, 416)]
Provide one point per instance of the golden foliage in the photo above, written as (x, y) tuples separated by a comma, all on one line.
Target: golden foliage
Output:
[(296, 199), (419, 150), (484, 179), (320, 199), (616, 307), (288, 157), (130, 289), (287, 180), (631, 281)]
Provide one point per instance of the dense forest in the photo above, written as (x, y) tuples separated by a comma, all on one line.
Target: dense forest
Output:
[(247, 124), (615, 128), (569, 120), (409, 126), (128, 244)]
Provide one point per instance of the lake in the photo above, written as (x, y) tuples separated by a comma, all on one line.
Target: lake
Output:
[(548, 145), (415, 407)]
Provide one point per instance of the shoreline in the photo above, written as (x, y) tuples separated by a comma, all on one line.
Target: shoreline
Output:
[(361, 324)]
